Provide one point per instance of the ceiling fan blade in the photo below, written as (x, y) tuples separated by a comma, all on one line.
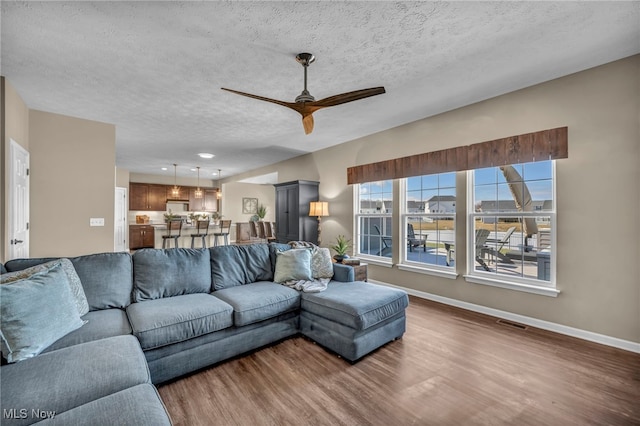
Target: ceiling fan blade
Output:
[(261, 98), (343, 98), (307, 122)]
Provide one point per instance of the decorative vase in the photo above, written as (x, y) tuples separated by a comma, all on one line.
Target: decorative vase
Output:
[(339, 258)]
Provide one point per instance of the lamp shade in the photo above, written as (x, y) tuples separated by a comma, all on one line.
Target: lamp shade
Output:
[(319, 208)]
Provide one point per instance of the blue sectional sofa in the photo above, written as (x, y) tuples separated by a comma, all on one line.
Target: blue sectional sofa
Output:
[(160, 314)]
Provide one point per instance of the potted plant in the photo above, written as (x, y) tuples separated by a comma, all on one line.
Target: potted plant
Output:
[(341, 247), (215, 217), (170, 216), (261, 212)]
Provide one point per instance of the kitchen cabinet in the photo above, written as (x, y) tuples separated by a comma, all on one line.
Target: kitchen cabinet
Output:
[(211, 200), (208, 202), (141, 236), (149, 197), (293, 222), (183, 193)]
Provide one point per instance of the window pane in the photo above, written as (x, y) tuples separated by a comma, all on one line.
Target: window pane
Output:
[(430, 181), (375, 200), (429, 229), (508, 240), (485, 176), (447, 180)]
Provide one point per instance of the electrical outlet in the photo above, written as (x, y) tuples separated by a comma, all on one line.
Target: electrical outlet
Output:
[(96, 221)]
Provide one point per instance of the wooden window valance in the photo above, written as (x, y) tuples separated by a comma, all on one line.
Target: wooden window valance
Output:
[(544, 145)]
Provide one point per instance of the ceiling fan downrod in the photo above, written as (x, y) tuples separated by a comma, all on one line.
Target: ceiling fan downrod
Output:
[(305, 59)]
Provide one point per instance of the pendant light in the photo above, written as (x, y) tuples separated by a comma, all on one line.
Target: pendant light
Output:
[(219, 193), (198, 191), (175, 191)]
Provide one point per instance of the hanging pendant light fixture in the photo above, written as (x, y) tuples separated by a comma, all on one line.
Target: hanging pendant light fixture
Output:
[(175, 191), (219, 193), (198, 191)]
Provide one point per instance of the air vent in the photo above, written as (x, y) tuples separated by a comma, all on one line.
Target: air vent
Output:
[(512, 324)]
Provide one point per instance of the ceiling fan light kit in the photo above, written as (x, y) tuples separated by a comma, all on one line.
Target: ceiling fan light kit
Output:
[(305, 104)]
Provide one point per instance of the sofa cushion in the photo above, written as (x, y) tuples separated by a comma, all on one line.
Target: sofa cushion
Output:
[(259, 301), (74, 281), (170, 320), (238, 265), (358, 305), (67, 378), (35, 312), (106, 277), (293, 265), (321, 264), (138, 405), (99, 325), (165, 273)]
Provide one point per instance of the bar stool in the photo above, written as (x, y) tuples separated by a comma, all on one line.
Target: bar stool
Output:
[(172, 225), (202, 231), (225, 227)]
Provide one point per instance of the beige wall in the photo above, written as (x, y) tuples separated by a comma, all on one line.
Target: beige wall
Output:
[(72, 180), (122, 178), (168, 179), (598, 193), (234, 192), (15, 125)]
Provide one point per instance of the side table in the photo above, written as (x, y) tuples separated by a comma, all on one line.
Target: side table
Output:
[(360, 271)]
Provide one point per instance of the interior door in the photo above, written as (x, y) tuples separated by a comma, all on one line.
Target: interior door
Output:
[(120, 234), (18, 201)]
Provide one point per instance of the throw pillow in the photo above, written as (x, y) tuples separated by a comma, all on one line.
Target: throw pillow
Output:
[(35, 312), (321, 264), (74, 281), (293, 265)]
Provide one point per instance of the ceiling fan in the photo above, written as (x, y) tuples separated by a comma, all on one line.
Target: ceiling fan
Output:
[(306, 104)]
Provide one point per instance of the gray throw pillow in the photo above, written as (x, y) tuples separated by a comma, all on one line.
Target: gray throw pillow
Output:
[(321, 264), (293, 265), (74, 281), (35, 312)]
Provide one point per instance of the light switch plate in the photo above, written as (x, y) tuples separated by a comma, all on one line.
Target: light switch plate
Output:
[(96, 221)]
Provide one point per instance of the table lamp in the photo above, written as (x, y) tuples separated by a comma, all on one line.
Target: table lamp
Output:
[(319, 209)]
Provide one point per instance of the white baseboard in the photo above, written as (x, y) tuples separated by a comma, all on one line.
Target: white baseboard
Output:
[(533, 322)]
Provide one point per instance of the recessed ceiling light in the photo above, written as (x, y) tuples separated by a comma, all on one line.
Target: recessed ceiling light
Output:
[(215, 173), (164, 168), (205, 155), (193, 170)]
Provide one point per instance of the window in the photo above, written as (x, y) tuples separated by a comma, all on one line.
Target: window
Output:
[(512, 222), (428, 221), (373, 219)]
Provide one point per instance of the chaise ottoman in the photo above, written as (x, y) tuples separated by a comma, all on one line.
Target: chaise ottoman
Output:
[(353, 319)]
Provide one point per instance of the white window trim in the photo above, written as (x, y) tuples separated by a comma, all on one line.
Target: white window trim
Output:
[(529, 285)]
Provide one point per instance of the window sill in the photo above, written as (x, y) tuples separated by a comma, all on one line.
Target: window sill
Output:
[(527, 288), (452, 275), (374, 260)]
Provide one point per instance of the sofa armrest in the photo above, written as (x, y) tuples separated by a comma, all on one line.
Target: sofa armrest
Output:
[(343, 273)]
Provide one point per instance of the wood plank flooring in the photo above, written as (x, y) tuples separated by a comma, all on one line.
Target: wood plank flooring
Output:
[(452, 367)]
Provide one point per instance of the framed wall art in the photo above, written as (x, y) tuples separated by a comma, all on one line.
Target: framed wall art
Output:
[(249, 205)]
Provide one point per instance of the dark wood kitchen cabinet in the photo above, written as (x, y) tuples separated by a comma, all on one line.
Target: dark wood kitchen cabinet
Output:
[(293, 222), (208, 202), (147, 197), (141, 236), (183, 193)]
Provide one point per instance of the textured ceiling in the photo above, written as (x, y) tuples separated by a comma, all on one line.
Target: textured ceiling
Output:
[(155, 69)]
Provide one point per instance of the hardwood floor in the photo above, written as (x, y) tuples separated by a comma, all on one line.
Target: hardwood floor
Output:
[(452, 367)]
